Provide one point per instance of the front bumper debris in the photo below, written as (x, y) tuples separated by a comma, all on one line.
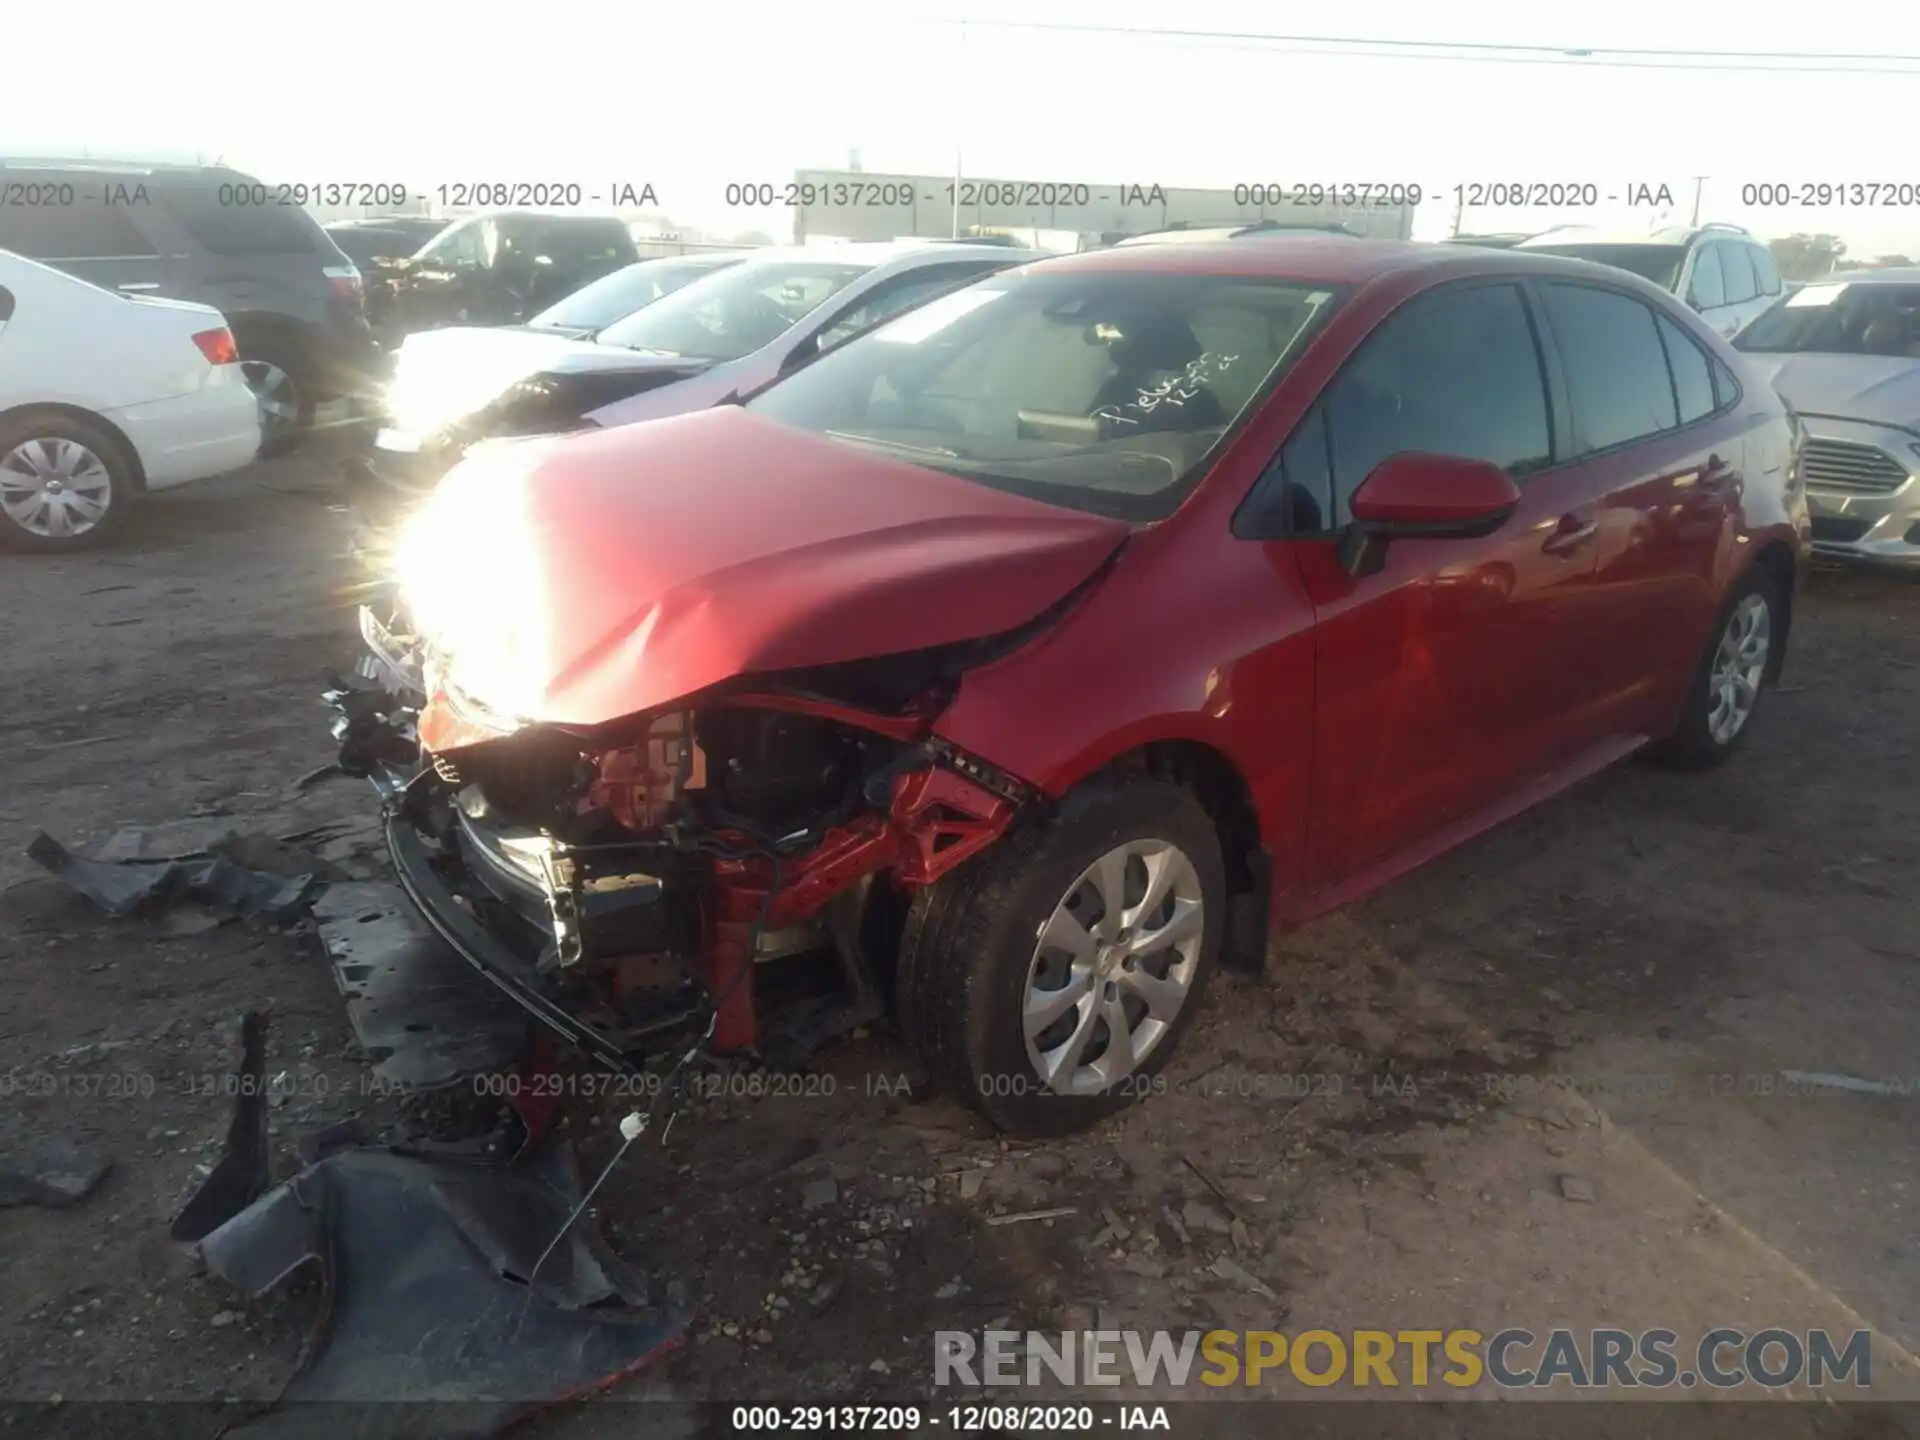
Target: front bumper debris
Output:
[(430, 1271), (415, 1008)]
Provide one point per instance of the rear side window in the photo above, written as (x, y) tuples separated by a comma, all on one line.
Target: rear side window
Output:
[(1615, 366), (1764, 270), (6, 304), (1453, 373), (88, 230), (1708, 288), (1726, 389), (1737, 269), (222, 220), (1692, 375)]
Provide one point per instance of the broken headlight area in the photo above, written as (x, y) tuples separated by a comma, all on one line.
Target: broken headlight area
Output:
[(727, 868)]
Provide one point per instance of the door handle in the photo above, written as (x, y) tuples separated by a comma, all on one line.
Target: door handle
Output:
[(132, 285), (1569, 535)]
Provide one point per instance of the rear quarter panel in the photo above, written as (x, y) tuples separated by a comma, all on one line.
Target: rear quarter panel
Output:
[(50, 351)]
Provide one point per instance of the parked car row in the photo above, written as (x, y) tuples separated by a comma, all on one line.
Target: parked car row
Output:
[(473, 353), (1014, 662), (293, 301), (82, 440), (723, 335)]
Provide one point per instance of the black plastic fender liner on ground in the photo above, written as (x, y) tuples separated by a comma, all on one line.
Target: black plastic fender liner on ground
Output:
[(426, 1265)]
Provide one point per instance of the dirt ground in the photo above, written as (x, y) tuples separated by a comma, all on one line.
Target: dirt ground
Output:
[(1537, 1083)]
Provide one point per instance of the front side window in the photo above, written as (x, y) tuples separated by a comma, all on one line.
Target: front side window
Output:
[(1840, 318), (1456, 372), (1093, 390), (613, 297), (461, 247), (901, 295), (734, 312), (1617, 379)]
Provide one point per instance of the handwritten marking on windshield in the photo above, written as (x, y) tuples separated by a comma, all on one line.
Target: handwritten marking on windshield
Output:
[(1176, 390)]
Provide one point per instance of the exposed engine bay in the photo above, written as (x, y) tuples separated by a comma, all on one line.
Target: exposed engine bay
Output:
[(673, 874)]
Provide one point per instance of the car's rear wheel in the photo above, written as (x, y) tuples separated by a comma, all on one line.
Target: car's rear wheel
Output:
[(1049, 980), (1739, 662), (65, 483), (283, 389)]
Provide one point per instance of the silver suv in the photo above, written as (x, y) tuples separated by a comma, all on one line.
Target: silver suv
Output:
[(1721, 271), (217, 236)]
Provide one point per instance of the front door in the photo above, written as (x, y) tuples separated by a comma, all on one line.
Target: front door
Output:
[(1457, 671)]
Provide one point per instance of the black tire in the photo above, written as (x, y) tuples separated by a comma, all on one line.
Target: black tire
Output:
[(1693, 744), (120, 487), (286, 417), (970, 942)]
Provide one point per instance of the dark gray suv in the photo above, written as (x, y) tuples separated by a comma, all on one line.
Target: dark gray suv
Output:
[(295, 303)]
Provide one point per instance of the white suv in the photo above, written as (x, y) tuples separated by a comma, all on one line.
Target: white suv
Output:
[(1722, 271)]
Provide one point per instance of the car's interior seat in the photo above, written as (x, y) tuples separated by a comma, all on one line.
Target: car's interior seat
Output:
[(1150, 351)]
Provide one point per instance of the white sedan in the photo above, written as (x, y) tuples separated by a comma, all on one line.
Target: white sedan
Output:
[(104, 397)]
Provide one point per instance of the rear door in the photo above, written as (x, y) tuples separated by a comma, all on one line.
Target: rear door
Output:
[(1458, 671), (1742, 287), (1706, 286), (1766, 277), (1649, 440)]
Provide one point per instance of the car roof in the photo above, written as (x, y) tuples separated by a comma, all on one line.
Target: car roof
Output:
[(112, 167), (518, 211), (871, 254), (1605, 235), (1316, 259), (1889, 275), (1251, 231), (1335, 260)]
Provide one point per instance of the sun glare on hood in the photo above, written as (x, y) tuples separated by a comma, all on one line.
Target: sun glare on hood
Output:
[(471, 580)]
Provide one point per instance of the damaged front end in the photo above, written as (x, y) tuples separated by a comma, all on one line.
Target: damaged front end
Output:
[(731, 866)]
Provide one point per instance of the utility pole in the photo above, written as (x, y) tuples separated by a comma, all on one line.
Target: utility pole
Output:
[(959, 134), (1459, 207), (1699, 183)]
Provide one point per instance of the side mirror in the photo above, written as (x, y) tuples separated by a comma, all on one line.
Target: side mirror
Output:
[(1415, 496)]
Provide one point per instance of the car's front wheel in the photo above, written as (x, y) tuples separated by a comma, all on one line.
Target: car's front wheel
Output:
[(1048, 981), (65, 483), (1740, 660)]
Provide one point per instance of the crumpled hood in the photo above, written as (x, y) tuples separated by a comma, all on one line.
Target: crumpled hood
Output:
[(1878, 388), (440, 376), (579, 579)]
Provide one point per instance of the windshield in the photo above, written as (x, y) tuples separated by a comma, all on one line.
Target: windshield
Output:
[(1658, 263), (613, 297), (733, 313), (1105, 392), (1840, 319)]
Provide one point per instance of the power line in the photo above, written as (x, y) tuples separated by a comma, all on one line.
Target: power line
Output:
[(1485, 52)]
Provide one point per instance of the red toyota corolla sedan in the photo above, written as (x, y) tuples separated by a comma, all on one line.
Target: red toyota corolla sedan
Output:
[(1018, 662)]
